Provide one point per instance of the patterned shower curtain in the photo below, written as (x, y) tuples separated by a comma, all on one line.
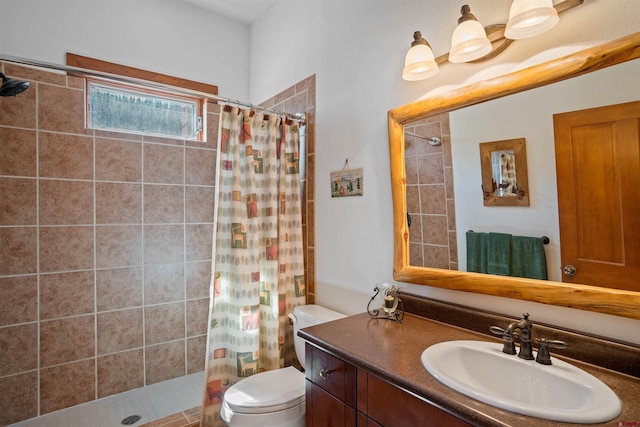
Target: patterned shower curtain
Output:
[(258, 265)]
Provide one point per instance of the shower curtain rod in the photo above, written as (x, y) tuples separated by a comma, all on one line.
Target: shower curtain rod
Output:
[(86, 72)]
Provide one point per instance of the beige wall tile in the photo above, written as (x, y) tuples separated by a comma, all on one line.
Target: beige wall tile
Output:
[(415, 254), (18, 299), (432, 199), (19, 111), (430, 169), (199, 202), (66, 248), (196, 354), (198, 278), (17, 201), (120, 372), (18, 251), (18, 147), (436, 256), (163, 164), (163, 244), (163, 283), (163, 140), (118, 203), (435, 230), (213, 123), (19, 346), (118, 245), (200, 166), (119, 330), (164, 361), (65, 156), (163, 204), (67, 385), (197, 317), (199, 242), (66, 202), (164, 323), (118, 288), (66, 340), (19, 397), (118, 160), (66, 294), (61, 109)]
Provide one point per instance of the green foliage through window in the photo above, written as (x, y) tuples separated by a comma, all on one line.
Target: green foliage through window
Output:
[(128, 110)]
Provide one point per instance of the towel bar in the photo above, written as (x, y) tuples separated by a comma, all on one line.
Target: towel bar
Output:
[(545, 239)]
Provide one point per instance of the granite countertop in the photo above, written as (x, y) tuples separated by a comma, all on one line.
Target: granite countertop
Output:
[(392, 351)]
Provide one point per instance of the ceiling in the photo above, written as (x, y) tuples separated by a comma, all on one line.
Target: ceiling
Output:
[(244, 11)]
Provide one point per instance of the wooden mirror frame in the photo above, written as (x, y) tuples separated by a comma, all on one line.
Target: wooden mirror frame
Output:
[(583, 297), (520, 197)]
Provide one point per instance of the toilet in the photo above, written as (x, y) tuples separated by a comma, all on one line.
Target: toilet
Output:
[(275, 398)]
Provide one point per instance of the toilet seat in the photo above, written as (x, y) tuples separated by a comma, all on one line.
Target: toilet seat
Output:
[(266, 392)]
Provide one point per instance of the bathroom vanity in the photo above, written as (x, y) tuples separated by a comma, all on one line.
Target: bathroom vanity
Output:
[(363, 371)]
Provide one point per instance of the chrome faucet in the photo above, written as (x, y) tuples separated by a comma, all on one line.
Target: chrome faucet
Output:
[(524, 326)]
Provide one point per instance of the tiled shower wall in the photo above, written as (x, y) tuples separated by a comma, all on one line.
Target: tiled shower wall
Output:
[(430, 197), (301, 98), (105, 252)]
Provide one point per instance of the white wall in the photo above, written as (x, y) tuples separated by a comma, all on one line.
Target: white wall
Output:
[(527, 115), (166, 36), (356, 49)]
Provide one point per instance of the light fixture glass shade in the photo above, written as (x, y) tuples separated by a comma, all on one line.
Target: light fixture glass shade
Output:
[(528, 18), (419, 64), (469, 42)]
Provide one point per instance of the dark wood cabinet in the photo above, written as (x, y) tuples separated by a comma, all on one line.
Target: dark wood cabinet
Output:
[(339, 394)]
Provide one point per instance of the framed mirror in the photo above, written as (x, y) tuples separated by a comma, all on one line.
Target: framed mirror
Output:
[(592, 298), (504, 173)]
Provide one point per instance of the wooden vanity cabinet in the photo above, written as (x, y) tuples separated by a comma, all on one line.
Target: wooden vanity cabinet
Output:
[(339, 394)]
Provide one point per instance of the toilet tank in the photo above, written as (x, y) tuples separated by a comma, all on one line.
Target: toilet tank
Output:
[(309, 315)]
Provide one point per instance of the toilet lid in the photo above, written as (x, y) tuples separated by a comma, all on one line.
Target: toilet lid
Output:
[(268, 391)]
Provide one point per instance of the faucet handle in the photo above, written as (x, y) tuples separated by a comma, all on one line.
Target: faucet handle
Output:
[(497, 330), (544, 357), (508, 345)]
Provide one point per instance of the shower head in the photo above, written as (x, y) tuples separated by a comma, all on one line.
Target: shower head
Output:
[(12, 87)]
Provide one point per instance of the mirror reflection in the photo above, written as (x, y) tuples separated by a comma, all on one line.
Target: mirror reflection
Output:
[(437, 233), (503, 174)]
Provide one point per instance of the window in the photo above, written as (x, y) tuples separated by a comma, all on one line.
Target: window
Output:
[(129, 108)]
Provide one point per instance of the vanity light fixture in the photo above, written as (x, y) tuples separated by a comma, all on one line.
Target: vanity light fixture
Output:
[(528, 18), (471, 42), (419, 64)]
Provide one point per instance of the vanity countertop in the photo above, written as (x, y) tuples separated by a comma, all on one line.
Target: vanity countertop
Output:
[(392, 351)]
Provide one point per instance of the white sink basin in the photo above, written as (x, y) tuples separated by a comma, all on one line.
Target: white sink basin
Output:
[(559, 392)]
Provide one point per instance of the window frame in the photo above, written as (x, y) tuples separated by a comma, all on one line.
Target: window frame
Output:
[(201, 106)]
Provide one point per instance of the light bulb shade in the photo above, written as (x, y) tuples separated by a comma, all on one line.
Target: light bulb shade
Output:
[(528, 18), (419, 64), (469, 42)]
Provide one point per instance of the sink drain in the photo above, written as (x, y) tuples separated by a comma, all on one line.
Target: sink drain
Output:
[(131, 419)]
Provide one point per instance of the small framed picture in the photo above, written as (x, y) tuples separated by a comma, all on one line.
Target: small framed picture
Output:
[(347, 182)]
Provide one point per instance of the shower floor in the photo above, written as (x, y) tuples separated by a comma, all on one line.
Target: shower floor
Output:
[(154, 402)]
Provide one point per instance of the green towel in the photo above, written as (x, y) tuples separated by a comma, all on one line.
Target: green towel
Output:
[(476, 252), (499, 254), (528, 258)]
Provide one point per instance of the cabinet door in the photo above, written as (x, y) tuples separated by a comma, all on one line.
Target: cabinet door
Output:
[(324, 410), (332, 374), (392, 407)]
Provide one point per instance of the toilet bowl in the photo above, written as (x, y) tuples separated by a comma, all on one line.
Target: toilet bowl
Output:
[(275, 398)]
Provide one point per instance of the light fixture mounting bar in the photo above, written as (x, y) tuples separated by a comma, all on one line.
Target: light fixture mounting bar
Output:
[(495, 34)]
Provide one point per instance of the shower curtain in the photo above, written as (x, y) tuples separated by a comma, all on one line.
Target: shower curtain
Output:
[(258, 264)]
